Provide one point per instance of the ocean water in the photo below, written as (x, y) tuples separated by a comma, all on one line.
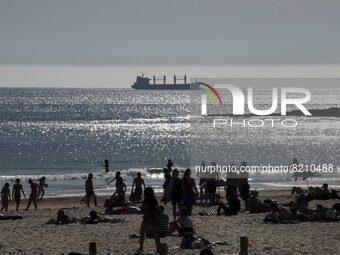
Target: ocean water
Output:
[(64, 134)]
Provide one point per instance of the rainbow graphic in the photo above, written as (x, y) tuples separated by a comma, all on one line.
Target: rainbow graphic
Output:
[(211, 92)]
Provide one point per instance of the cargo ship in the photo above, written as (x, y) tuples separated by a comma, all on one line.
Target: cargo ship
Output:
[(144, 83)]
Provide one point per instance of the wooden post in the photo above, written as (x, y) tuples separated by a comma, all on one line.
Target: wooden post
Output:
[(244, 245), (93, 248)]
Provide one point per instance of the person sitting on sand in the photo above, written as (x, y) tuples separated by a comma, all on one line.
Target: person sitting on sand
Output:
[(234, 205), (163, 225), (137, 187), (151, 218), (42, 186), (320, 193), (116, 200), (183, 224), (120, 187), (33, 196), (297, 190), (16, 193), (5, 197), (89, 191), (62, 218), (255, 205), (301, 204), (319, 214)]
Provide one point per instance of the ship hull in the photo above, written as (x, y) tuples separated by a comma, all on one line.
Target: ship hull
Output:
[(162, 87)]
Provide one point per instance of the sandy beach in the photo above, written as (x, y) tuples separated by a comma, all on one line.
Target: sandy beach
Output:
[(31, 236)]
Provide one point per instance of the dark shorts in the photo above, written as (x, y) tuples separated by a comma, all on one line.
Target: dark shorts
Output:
[(245, 191), (202, 180), (138, 192), (17, 198), (211, 186), (90, 194)]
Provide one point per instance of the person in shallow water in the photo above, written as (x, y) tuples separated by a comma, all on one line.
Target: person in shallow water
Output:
[(106, 165)]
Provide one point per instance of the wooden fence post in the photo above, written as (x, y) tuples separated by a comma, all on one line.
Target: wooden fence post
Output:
[(244, 245), (93, 248)]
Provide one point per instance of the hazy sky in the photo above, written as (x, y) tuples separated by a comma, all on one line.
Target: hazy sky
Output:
[(107, 43)]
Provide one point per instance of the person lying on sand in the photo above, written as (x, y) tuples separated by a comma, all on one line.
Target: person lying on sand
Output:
[(62, 218), (279, 213), (255, 205), (183, 224), (94, 218), (191, 241)]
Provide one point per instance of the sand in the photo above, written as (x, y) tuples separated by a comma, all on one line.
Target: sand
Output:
[(32, 236)]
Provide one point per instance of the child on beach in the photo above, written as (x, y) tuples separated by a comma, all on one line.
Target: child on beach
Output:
[(5, 196), (16, 195), (33, 196), (138, 183), (89, 191), (151, 218), (42, 185), (106, 166)]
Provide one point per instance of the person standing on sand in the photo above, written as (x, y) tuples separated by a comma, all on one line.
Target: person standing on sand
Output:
[(189, 190), (34, 195), (5, 196), (16, 195), (138, 184), (176, 192), (89, 191), (151, 218), (42, 186)]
